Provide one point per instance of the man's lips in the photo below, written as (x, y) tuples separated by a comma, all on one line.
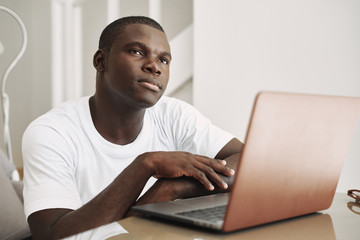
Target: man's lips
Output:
[(150, 84)]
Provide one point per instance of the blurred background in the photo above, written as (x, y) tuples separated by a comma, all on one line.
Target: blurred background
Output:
[(224, 53)]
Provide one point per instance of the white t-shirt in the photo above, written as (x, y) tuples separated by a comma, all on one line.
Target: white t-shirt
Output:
[(67, 162)]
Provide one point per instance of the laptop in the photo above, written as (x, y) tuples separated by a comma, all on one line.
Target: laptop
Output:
[(290, 165)]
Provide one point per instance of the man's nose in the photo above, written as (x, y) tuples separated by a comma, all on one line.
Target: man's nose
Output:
[(151, 66)]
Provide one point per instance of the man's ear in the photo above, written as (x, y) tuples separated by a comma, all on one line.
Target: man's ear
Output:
[(99, 60)]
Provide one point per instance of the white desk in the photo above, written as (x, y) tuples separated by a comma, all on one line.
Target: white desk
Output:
[(340, 221)]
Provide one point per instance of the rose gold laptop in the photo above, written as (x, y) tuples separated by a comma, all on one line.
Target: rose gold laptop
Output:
[(290, 165)]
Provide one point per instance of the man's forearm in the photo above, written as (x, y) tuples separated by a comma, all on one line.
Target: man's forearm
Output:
[(108, 206)]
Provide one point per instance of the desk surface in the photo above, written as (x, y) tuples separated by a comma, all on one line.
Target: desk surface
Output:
[(340, 221)]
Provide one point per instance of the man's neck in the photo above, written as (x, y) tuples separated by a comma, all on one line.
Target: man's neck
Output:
[(117, 124)]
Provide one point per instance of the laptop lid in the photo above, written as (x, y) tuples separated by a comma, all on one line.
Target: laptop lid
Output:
[(292, 159)]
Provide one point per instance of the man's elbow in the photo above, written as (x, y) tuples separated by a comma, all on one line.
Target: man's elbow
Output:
[(43, 224)]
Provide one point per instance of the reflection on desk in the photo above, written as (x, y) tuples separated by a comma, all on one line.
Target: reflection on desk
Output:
[(354, 207), (340, 221)]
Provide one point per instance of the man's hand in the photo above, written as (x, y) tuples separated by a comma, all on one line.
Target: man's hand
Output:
[(178, 164), (169, 189)]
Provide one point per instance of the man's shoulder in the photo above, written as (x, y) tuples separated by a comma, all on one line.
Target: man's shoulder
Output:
[(64, 114)]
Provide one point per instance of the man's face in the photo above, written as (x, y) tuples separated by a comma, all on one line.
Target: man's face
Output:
[(136, 69)]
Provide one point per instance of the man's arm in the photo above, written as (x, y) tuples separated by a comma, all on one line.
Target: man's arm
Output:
[(170, 189), (234, 146), (114, 201)]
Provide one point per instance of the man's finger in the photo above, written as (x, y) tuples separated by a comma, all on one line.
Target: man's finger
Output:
[(201, 177), (218, 165)]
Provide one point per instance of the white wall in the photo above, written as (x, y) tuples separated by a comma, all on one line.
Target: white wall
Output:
[(242, 47)]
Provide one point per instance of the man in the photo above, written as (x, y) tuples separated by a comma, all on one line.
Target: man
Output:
[(88, 161)]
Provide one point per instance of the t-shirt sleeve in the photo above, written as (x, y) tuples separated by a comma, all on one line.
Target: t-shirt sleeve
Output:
[(49, 171), (195, 133)]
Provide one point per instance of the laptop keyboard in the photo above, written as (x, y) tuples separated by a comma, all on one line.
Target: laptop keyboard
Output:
[(212, 214)]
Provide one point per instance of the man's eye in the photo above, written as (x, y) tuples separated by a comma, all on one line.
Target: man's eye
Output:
[(164, 61), (135, 51)]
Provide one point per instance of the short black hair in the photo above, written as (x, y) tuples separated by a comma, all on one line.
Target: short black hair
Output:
[(112, 31)]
